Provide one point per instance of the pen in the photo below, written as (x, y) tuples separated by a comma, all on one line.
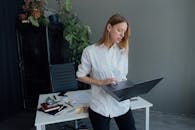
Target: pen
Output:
[(69, 104), (133, 99), (61, 107), (54, 97)]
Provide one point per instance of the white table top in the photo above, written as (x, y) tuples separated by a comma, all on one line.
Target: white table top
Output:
[(69, 113)]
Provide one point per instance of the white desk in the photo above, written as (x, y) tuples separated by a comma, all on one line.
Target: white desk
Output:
[(43, 119)]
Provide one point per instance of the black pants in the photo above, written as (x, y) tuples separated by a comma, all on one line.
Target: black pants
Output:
[(124, 122)]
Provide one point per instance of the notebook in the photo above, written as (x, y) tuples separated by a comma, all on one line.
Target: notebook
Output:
[(53, 112), (126, 89)]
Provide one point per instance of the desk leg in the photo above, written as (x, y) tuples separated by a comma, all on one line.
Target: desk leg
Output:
[(40, 127), (147, 118)]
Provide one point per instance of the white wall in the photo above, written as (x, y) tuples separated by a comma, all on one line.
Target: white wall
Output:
[(161, 45)]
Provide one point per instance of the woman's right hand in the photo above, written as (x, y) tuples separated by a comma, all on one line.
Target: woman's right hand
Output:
[(107, 81), (103, 82)]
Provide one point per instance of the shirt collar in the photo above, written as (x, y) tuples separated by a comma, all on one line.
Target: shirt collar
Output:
[(113, 46)]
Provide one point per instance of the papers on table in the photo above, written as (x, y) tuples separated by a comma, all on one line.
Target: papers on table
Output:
[(81, 97)]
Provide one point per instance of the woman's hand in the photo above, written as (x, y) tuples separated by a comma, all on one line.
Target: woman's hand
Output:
[(107, 81), (97, 82)]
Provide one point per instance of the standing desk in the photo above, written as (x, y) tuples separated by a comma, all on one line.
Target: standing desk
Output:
[(42, 119)]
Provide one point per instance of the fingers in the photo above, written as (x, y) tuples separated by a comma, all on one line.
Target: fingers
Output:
[(110, 81)]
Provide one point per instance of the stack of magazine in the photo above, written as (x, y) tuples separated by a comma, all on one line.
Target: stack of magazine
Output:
[(51, 109), (47, 108)]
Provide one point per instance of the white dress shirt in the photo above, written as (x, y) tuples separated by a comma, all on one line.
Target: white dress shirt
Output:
[(101, 62)]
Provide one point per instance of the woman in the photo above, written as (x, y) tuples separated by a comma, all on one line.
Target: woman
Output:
[(106, 62)]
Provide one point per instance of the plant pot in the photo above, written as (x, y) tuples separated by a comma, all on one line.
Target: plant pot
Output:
[(54, 19)]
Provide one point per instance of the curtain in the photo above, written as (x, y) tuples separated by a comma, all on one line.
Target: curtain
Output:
[(10, 97)]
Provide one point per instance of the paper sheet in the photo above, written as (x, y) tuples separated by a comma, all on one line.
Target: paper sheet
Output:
[(81, 97)]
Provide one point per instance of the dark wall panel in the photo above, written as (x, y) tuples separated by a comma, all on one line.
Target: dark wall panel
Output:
[(9, 82)]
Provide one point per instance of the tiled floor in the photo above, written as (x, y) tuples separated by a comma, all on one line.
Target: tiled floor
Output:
[(158, 121)]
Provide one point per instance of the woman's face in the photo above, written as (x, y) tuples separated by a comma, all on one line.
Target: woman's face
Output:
[(117, 32)]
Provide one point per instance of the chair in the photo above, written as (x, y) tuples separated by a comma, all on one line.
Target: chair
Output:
[(63, 79)]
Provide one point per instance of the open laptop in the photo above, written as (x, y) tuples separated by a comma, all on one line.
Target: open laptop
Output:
[(126, 89)]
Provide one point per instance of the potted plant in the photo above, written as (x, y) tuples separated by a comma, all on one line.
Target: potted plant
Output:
[(77, 36), (75, 33), (32, 12)]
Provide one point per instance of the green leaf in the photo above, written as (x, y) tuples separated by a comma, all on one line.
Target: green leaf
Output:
[(77, 35), (67, 5)]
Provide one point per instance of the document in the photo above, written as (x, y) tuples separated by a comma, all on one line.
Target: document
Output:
[(81, 97)]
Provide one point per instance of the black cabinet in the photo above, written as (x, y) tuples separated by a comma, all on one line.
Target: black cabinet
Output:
[(37, 48)]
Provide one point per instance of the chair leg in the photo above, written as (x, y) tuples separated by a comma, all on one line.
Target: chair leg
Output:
[(76, 124), (81, 125), (66, 126)]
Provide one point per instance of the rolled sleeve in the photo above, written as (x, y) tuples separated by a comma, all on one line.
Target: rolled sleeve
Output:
[(85, 67)]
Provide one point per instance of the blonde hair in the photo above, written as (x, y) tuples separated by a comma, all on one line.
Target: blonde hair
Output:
[(113, 20)]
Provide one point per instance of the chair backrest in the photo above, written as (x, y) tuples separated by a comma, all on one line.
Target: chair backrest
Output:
[(63, 77)]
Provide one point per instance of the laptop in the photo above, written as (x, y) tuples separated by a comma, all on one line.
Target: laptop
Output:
[(126, 89)]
